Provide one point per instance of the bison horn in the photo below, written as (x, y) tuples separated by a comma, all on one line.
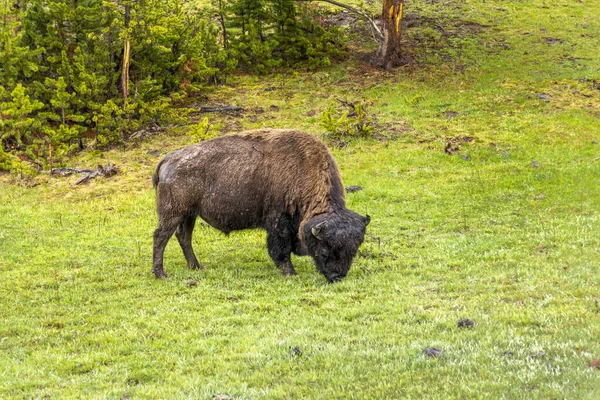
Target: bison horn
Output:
[(367, 219), (317, 230)]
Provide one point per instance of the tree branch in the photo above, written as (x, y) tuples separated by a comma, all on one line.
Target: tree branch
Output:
[(376, 29)]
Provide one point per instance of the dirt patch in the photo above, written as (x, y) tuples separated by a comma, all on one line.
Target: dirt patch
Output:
[(343, 18), (393, 130), (449, 114), (453, 144), (234, 126), (552, 41), (471, 27)]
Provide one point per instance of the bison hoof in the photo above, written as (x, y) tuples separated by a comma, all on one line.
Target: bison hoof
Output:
[(160, 274), (197, 266), (288, 271)]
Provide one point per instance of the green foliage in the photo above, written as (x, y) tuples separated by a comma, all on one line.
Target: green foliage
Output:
[(200, 131), (16, 60), (9, 162), (64, 58), (352, 121), (19, 116), (61, 61), (266, 34)]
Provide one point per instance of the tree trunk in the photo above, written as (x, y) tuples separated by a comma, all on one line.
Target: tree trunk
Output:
[(223, 26), (389, 54), (126, 57)]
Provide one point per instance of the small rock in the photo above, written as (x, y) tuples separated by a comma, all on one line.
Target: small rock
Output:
[(296, 352), (535, 164), (543, 96), (352, 189), (507, 354), (270, 89), (222, 397), (539, 354), (465, 157), (192, 282), (465, 323), (540, 196), (595, 142), (274, 108), (595, 364), (433, 352), (154, 152)]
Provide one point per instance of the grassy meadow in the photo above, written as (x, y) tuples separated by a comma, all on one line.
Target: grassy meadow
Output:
[(502, 229)]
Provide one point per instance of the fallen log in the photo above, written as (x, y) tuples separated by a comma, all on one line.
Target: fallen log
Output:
[(221, 109), (86, 174), (63, 171)]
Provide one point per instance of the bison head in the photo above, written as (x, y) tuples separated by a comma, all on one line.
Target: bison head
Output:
[(332, 240)]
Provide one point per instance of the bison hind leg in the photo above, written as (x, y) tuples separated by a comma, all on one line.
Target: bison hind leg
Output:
[(184, 236), (162, 234)]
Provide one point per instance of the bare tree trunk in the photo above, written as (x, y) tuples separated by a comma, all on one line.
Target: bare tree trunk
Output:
[(222, 21), (126, 57), (389, 53)]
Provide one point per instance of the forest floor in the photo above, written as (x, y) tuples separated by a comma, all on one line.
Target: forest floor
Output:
[(483, 187)]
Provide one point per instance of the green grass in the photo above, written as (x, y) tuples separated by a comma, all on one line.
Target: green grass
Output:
[(492, 238)]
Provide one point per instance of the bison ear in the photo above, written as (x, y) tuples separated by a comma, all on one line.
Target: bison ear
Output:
[(367, 219), (318, 230)]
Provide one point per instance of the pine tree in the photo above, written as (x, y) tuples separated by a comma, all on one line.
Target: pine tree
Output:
[(78, 73), (265, 34), (20, 116), (16, 60)]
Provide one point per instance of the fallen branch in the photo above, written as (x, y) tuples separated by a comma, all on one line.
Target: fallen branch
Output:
[(87, 174), (69, 171), (221, 109), (151, 130)]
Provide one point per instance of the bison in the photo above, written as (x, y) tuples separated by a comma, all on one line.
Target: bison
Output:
[(284, 181)]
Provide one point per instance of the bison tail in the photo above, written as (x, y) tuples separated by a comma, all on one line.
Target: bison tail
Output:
[(155, 176)]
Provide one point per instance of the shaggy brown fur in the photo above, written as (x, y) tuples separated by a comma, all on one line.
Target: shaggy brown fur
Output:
[(299, 158), (278, 180)]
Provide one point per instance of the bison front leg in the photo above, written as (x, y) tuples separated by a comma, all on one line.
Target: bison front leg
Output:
[(161, 236), (184, 236), (280, 241)]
